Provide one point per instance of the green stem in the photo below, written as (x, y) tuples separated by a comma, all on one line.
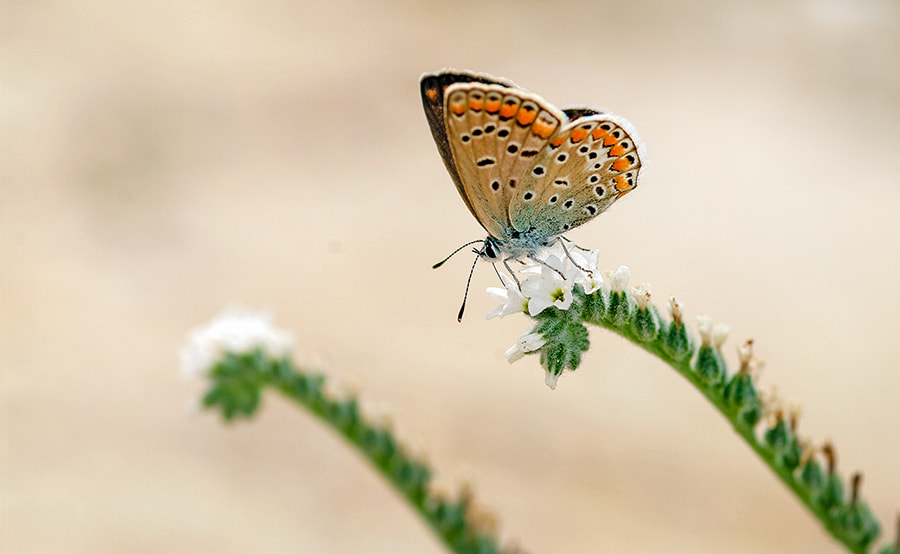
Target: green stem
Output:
[(237, 382), (850, 523)]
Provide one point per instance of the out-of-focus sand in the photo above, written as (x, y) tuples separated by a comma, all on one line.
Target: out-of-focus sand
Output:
[(164, 159)]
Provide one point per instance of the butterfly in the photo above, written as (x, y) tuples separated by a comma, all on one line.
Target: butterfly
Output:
[(527, 170)]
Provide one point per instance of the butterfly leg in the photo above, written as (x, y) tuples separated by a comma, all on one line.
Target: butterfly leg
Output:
[(511, 272), (571, 259), (582, 248), (545, 264)]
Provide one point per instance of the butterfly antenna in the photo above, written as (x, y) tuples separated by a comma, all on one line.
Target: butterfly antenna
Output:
[(466, 294), (440, 263)]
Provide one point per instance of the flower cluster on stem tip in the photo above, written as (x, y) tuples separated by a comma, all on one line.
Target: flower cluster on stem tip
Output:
[(241, 353), (235, 331)]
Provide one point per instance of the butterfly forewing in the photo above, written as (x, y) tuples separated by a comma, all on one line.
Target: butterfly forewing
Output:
[(433, 88), (495, 133)]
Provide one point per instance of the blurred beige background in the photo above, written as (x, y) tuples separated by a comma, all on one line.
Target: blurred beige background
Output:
[(164, 159)]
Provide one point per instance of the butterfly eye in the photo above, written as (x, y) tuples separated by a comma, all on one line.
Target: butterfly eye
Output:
[(562, 158), (594, 179), (528, 196), (599, 191), (538, 170), (591, 209), (554, 198), (512, 148), (464, 137), (561, 183), (476, 132), (584, 149), (568, 204), (503, 133), (485, 161), (592, 155), (488, 129), (495, 186)]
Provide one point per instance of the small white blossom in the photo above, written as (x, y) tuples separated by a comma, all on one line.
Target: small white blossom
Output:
[(584, 271), (749, 362), (529, 342), (550, 379), (548, 288), (590, 282), (510, 298), (618, 279), (704, 327), (675, 309), (641, 295), (719, 335), (234, 330), (587, 259)]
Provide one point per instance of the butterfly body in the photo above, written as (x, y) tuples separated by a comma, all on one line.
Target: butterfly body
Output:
[(527, 170)]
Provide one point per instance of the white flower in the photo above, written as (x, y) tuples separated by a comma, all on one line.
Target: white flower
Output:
[(641, 295), (590, 279), (618, 279), (704, 327), (675, 309), (719, 334), (550, 379), (510, 298), (587, 259), (234, 330), (529, 342), (548, 288)]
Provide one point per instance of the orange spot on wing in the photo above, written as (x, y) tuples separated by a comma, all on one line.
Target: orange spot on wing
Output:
[(431, 93), (543, 127), (599, 132), (526, 117), (609, 140), (492, 106), (509, 110), (458, 108), (558, 140), (616, 150), (579, 135), (622, 185), (621, 164), (476, 103)]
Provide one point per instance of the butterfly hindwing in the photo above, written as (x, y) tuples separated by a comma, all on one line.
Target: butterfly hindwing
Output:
[(587, 165)]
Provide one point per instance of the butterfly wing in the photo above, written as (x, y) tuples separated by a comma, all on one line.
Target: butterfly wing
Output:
[(589, 163), (433, 88), (495, 132)]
